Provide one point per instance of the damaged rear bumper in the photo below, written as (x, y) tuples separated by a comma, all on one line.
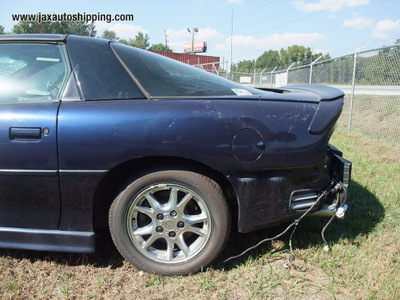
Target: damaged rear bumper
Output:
[(270, 197), (341, 176)]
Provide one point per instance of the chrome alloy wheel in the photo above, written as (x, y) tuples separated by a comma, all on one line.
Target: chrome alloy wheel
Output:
[(169, 223)]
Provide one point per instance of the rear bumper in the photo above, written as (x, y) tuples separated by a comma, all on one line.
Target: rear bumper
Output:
[(271, 197), (341, 166), (340, 182)]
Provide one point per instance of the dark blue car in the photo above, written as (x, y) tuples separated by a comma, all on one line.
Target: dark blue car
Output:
[(96, 134)]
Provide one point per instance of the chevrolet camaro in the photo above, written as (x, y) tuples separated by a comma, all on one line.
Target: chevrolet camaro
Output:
[(96, 134)]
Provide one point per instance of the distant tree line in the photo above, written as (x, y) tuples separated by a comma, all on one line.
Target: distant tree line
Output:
[(294, 55), (381, 67), (141, 40)]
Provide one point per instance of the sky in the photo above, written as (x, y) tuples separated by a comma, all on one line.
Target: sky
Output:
[(238, 29)]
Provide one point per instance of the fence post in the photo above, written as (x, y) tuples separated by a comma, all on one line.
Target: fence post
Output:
[(287, 72), (353, 83), (261, 74), (272, 74), (311, 68)]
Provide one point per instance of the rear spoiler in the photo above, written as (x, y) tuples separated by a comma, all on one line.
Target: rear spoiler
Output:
[(325, 93), (329, 107)]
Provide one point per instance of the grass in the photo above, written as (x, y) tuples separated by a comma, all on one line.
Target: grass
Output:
[(374, 116), (364, 261)]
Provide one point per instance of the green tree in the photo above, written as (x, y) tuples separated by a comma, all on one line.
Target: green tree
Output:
[(160, 47), (268, 60), (2, 29), (299, 55), (63, 27), (244, 66), (110, 35), (82, 28), (141, 41)]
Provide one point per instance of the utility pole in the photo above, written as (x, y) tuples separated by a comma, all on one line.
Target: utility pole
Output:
[(166, 39), (231, 46), (193, 32)]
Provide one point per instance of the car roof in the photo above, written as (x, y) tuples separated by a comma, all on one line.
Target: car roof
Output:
[(33, 37)]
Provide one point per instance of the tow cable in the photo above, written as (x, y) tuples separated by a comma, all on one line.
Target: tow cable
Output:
[(339, 209)]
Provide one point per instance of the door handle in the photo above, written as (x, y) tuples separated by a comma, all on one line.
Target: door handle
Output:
[(25, 133)]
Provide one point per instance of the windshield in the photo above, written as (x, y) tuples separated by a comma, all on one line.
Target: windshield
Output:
[(164, 77)]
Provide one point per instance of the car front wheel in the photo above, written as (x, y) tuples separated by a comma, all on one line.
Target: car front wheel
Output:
[(170, 222)]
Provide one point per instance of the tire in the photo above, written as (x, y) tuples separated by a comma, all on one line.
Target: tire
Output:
[(170, 222)]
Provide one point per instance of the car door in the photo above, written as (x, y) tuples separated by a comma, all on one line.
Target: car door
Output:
[(31, 79)]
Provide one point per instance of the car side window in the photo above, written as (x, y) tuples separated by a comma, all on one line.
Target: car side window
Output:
[(32, 72)]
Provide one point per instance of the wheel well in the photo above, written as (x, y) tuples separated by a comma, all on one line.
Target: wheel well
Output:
[(118, 178)]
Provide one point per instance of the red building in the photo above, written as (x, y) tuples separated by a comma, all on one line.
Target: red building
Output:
[(208, 63)]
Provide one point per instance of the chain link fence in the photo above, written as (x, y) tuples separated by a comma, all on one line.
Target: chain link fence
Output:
[(370, 80)]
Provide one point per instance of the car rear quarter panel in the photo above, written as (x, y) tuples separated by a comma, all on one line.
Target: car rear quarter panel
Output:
[(97, 136)]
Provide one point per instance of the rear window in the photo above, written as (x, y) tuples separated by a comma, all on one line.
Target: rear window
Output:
[(164, 77)]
